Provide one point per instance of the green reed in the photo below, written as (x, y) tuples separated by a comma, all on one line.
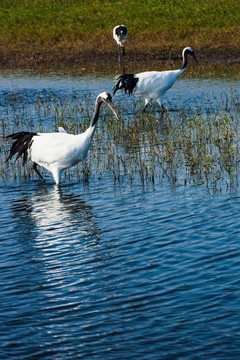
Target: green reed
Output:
[(188, 147)]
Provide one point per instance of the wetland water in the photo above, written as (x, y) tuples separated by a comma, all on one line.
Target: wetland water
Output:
[(118, 266)]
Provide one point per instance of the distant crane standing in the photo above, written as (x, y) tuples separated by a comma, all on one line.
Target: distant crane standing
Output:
[(120, 34), (57, 151), (152, 85)]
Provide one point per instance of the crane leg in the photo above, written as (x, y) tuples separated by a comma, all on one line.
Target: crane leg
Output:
[(37, 171), (160, 104), (119, 54), (56, 175), (147, 101)]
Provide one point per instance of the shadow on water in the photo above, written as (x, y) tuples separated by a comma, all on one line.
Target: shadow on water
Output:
[(55, 244), (51, 213)]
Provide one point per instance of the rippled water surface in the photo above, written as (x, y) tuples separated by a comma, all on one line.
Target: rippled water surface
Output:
[(118, 269)]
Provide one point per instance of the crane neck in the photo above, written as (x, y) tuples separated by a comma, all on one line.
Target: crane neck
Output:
[(96, 112), (184, 64)]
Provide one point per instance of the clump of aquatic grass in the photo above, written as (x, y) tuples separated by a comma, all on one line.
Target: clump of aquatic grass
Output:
[(185, 147), (189, 147)]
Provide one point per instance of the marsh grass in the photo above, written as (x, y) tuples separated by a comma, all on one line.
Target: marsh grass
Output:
[(187, 147)]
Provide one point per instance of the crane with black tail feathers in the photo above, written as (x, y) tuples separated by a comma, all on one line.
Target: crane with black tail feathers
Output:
[(152, 85), (57, 151), (120, 34)]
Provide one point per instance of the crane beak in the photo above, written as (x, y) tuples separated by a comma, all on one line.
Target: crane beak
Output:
[(110, 105), (195, 58)]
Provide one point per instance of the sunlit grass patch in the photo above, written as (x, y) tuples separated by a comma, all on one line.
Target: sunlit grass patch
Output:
[(56, 31)]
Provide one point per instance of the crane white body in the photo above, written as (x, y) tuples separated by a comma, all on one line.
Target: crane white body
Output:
[(152, 85), (59, 151)]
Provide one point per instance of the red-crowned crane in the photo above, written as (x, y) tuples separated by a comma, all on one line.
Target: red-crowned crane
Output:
[(152, 85), (120, 33), (57, 151)]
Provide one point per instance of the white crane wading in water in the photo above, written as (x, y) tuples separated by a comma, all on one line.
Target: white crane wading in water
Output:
[(152, 85), (57, 151)]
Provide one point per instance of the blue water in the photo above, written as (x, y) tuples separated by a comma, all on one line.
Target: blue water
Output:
[(116, 270)]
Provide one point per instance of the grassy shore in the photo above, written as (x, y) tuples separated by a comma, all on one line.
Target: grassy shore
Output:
[(79, 32)]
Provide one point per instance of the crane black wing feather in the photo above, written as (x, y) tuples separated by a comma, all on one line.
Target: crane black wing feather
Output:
[(21, 145), (121, 31), (126, 82)]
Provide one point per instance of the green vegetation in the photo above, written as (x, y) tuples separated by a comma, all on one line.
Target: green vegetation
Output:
[(187, 147), (63, 30)]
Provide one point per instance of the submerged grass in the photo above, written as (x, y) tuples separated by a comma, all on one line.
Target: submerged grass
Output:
[(187, 147)]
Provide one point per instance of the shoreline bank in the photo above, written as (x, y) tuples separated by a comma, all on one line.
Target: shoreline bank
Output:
[(88, 59)]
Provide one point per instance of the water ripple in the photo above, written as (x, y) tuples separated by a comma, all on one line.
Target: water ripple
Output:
[(114, 271)]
